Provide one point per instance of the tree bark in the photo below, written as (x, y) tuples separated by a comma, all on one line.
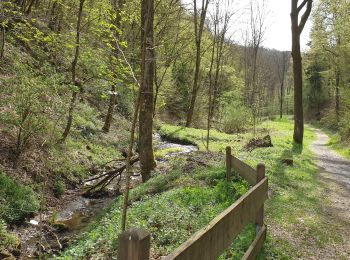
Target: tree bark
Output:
[(297, 28), (2, 44), (210, 90), (29, 8), (147, 161), (74, 71), (281, 101), (198, 40), (337, 93)]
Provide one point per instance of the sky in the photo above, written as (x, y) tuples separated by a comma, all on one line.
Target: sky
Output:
[(278, 35), (278, 26)]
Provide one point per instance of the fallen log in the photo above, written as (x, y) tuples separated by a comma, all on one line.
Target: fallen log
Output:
[(107, 178)]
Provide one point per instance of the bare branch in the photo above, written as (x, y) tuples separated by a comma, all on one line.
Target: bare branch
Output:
[(305, 16), (301, 6)]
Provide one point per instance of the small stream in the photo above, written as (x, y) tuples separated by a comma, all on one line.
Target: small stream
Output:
[(79, 211)]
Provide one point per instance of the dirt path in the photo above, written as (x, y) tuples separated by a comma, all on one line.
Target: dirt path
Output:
[(335, 176)]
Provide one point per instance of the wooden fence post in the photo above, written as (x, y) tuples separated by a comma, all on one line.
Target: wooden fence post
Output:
[(228, 163), (259, 222), (134, 244)]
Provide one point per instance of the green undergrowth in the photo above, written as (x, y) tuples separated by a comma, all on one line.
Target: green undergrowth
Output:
[(17, 201), (8, 241), (336, 143), (193, 136), (174, 205), (87, 146), (293, 208)]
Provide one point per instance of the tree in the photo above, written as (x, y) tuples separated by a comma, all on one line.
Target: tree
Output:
[(147, 161), (170, 41), (256, 30), (221, 23), (282, 65), (76, 82), (117, 6), (198, 31), (297, 28)]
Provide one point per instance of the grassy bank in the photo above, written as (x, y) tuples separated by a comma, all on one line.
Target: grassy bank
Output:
[(173, 206), (337, 144)]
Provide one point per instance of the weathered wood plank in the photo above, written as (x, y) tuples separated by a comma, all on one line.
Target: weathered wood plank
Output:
[(260, 170), (243, 169), (134, 244), (256, 246), (203, 244), (228, 163)]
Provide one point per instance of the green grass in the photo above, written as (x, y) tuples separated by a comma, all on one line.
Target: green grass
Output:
[(162, 153), (218, 140), (337, 144), (335, 141), (173, 206), (86, 146)]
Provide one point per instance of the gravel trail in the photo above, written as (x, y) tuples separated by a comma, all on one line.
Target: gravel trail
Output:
[(335, 176)]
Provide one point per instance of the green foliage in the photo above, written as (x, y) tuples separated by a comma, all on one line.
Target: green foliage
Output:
[(7, 239), (175, 205), (59, 188), (236, 118), (172, 213), (17, 202), (195, 136)]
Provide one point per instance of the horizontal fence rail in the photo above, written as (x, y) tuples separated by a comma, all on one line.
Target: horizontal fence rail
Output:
[(211, 241)]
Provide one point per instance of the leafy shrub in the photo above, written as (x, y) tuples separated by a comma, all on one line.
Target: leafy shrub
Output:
[(59, 188), (236, 118), (330, 120), (28, 103), (17, 202), (7, 240), (344, 126)]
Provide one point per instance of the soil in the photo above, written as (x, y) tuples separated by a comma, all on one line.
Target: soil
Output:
[(258, 143)]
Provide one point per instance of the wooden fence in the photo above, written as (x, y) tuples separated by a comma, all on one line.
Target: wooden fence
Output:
[(213, 240)]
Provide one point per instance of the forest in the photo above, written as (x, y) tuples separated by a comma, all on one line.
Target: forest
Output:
[(118, 114)]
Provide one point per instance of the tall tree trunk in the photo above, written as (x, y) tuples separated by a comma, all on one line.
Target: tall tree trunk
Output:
[(128, 159), (2, 44), (210, 90), (337, 93), (76, 82), (194, 88), (281, 101), (29, 8), (113, 97), (298, 84), (297, 28), (147, 161), (198, 28)]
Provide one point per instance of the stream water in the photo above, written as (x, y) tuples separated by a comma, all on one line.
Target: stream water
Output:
[(78, 211)]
